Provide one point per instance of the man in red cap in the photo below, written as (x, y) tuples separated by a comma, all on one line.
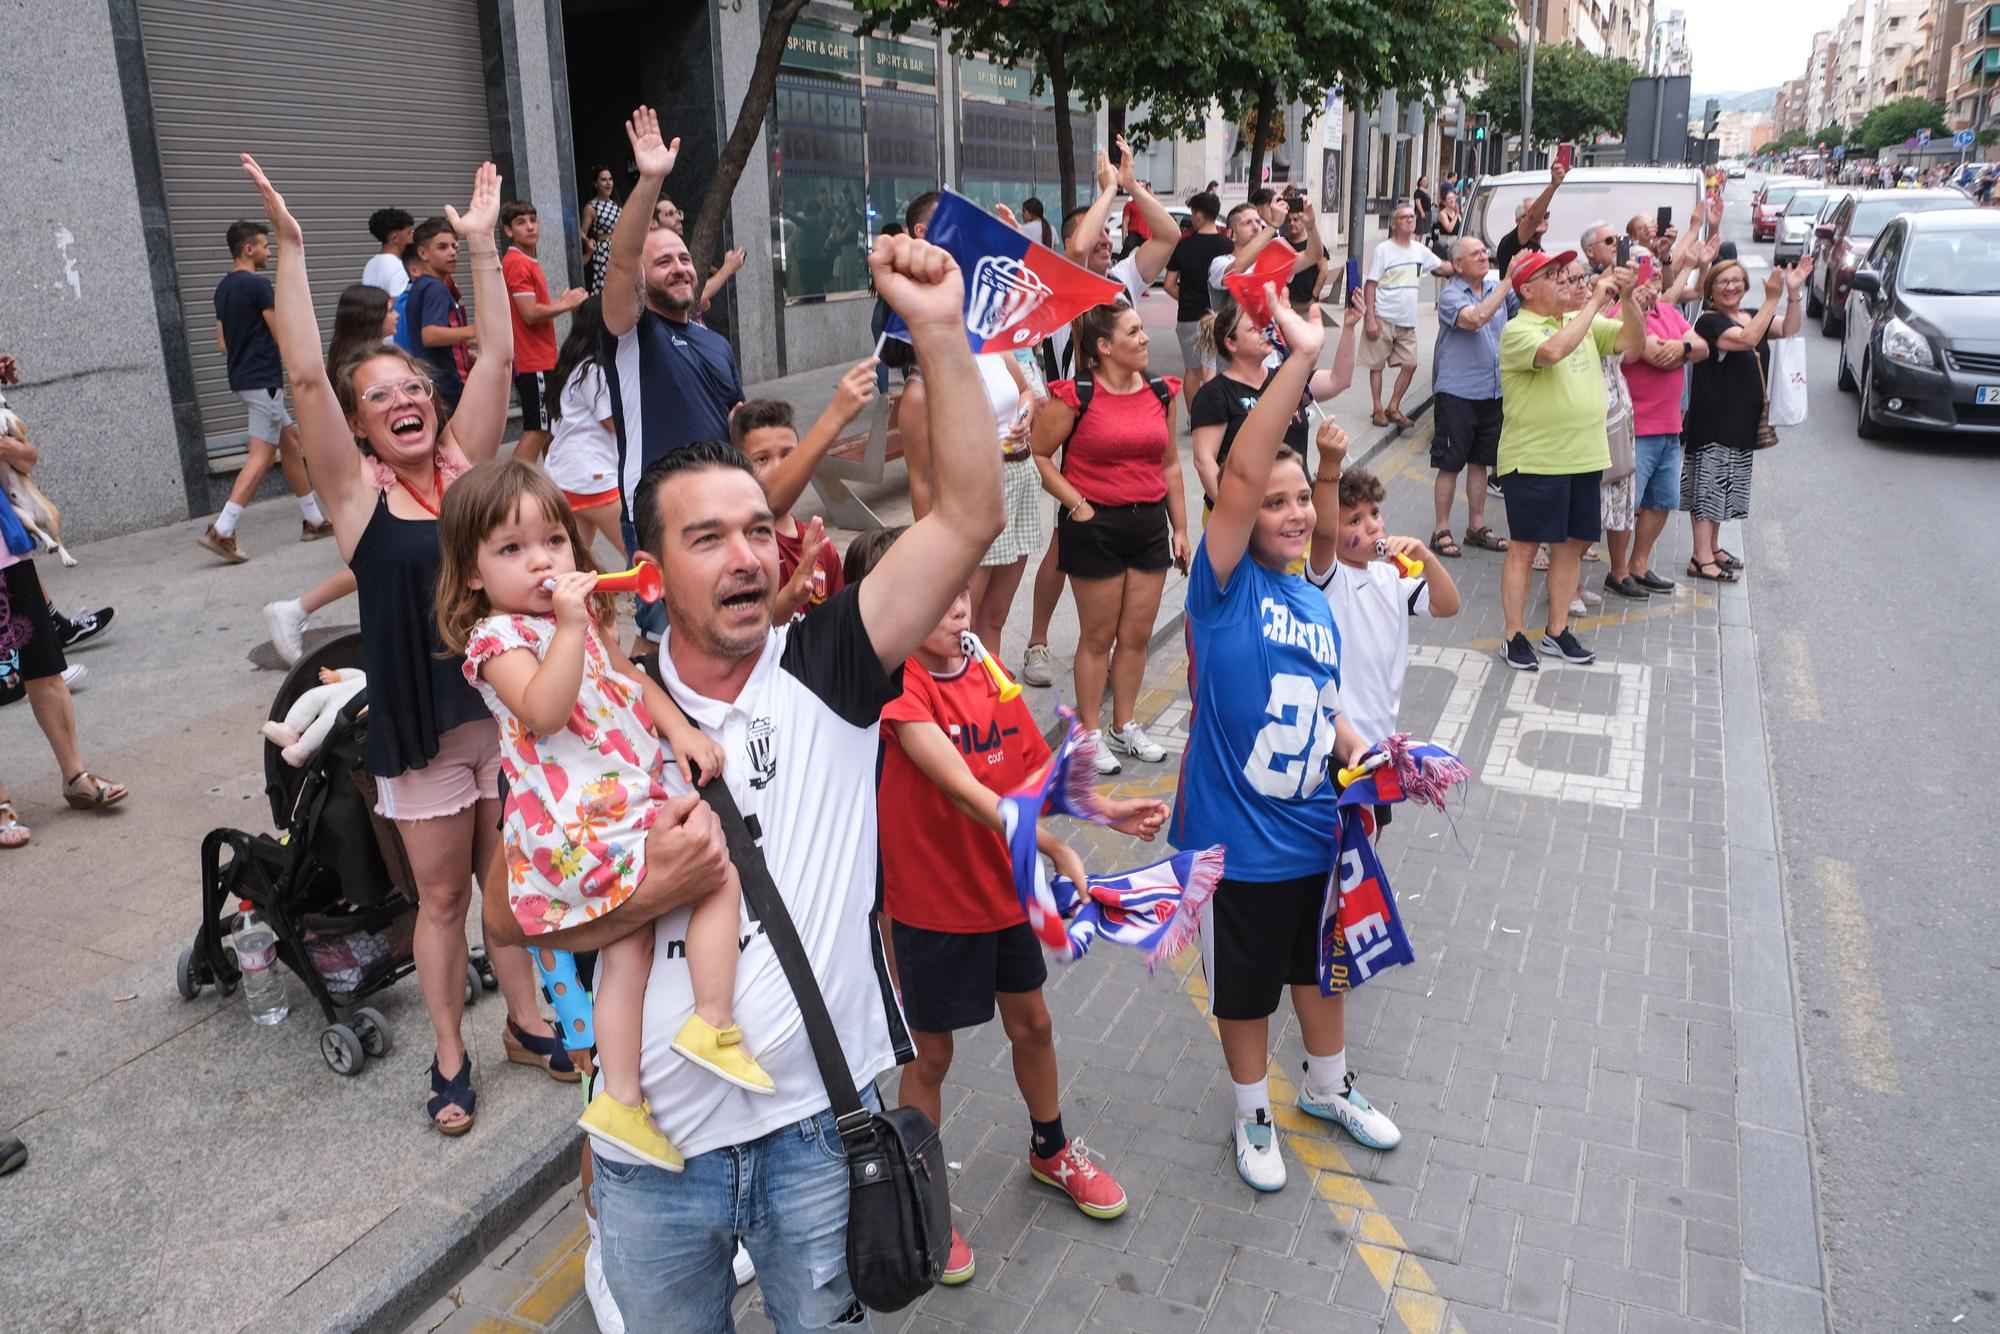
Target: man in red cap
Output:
[(1553, 448)]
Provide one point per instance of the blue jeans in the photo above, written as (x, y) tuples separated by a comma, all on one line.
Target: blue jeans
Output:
[(668, 1238), (649, 617), (1657, 481)]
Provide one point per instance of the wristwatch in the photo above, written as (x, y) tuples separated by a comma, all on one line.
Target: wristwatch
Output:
[(1687, 350)]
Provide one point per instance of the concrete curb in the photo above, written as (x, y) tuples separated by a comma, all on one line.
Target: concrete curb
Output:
[(403, 1264), (1784, 1277)]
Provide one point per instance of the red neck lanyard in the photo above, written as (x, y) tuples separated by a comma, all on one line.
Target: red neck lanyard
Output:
[(437, 472)]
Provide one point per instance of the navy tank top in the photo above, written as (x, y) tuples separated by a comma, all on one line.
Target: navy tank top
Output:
[(415, 693)]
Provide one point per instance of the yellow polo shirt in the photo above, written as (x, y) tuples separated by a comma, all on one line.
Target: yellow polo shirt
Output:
[(1553, 417)]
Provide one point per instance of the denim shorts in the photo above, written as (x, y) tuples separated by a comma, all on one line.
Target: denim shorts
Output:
[(649, 617), (668, 1238), (1658, 479)]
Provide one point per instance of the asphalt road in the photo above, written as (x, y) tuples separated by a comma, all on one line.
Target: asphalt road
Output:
[(1870, 574)]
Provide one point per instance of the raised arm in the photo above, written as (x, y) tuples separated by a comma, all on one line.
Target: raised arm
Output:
[(1632, 320), (1538, 207), (481, 418), (1247, 473), (732, 260), (851, 397), (1333, 381), (1795, 281), (1156, 249), (1091, 225), (1745, 337), (329, 441), (655, 158), (903, 600), (1558, 345)]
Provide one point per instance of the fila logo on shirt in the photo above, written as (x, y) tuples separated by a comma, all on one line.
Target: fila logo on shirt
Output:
[(972, 741), (1280, 627), (763, 762)]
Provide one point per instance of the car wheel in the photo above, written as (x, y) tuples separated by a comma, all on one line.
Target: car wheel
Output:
[(1845, 377), (1865, 425)]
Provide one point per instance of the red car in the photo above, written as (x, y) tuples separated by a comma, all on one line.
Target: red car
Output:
[(1770, 201), (1843, 239)]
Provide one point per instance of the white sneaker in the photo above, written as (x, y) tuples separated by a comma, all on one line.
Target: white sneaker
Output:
[(287, 623), (76, 674), (1107, 763), (1257, 1159), (602, 1306), (1352, 1113), (745, 1270), (1037, 668), (1576, 607), (1132, 739), (1591, 597)]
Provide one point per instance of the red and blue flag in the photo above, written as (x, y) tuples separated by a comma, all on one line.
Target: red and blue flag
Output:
[(1017, 291)]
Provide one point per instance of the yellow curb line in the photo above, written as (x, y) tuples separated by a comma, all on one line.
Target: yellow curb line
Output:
[(1412, 1294)]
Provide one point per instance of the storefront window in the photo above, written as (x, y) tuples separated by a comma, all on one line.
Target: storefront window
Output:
[(1007, 138), (857, 136)]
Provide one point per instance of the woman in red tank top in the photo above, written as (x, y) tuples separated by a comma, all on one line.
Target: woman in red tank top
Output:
[(1122, 519)]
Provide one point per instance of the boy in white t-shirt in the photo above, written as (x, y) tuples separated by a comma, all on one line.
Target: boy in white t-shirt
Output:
[(1372, 599)]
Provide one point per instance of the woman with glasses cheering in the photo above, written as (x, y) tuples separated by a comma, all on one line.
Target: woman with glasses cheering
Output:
[(433, 749)]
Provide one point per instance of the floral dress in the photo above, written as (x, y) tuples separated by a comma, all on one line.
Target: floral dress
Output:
[(579, 802)]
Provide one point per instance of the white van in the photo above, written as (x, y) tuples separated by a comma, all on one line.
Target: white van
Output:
[(1588, 195)]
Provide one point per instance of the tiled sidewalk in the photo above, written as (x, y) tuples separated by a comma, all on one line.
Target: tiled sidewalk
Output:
[(1562, 1058)]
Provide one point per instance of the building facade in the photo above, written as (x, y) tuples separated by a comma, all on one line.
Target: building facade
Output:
[(1669, 53), (1975, 69)]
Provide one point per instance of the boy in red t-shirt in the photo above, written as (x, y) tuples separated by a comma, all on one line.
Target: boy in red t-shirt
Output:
[(950, 749), (766, 430), (534, 324)]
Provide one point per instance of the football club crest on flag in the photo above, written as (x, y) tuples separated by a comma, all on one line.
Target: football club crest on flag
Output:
[(1361, 932), (1017, 292), (1155, 908)]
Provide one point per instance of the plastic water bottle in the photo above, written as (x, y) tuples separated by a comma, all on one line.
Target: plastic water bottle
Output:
[(257, 957)]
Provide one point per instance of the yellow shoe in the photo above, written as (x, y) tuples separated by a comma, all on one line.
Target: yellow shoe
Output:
[(720, 1052), (631, 1129)]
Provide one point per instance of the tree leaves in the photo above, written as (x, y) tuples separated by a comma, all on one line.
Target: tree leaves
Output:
[(1577, 95)]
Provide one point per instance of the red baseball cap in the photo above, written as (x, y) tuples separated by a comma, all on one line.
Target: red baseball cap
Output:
[(1535, 263)]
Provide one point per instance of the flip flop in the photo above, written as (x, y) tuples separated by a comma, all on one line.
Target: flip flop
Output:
[(1542, 558), (1398, 416)]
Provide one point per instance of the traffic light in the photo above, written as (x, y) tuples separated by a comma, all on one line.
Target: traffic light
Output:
[(1479, 130), (1710, 116)]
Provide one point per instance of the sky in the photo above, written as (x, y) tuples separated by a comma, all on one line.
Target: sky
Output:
[(1737, 46)]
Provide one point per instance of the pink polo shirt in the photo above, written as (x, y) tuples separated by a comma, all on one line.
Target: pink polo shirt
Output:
[(1656, 394)]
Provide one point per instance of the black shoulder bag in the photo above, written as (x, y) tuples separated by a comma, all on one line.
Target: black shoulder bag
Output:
[(898, 1208)]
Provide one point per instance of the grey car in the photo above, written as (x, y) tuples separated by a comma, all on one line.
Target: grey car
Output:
[(1795, 226)]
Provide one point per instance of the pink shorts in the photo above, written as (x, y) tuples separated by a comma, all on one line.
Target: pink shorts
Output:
[(465, 771)]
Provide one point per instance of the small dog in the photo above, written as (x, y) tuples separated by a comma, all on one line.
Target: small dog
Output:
[(38, 514)]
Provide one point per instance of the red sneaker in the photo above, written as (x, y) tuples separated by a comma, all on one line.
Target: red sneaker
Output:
[(1072, 1173), (958, 1264)]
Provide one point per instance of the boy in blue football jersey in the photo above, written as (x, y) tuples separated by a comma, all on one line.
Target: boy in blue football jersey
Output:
[(1264, 675)]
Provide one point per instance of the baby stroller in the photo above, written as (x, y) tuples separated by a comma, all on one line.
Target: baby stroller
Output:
[(334, 886)]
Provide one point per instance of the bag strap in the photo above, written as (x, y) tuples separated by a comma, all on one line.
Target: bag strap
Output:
[(762, 893)]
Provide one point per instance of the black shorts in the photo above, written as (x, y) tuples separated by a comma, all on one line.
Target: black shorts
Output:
[(27, 611), (1559, 507), (1467, 430), (532, 389), (1115, 538), (1260, 937), (949, 978)]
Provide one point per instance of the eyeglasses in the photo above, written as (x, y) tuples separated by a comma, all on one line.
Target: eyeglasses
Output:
[(383, 394)]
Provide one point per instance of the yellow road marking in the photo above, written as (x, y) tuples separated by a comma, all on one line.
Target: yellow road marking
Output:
[(1412, 1294), (1801, 693), (1864, 1026)]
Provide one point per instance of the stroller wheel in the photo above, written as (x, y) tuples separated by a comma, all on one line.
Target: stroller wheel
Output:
[(184, 979), (472, 983), (483, 965), (342, 1049), (377, 1038)]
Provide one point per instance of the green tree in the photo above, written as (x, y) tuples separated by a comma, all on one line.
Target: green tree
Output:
[(1577, 95), (1178, 59), (1829, 136), (1894, 122)]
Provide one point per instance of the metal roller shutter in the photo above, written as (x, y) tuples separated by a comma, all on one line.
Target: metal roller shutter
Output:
[(350, 107)]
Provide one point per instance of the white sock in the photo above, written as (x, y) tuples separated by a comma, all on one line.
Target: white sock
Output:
[(309, 506), (1326, 1076), (1251, 1099), (225, 522)]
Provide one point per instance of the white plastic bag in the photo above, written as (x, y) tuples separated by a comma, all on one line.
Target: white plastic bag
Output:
[(1787, 376)]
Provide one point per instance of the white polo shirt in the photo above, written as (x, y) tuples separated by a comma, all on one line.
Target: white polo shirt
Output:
[(799, 746), (1372, 607)]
